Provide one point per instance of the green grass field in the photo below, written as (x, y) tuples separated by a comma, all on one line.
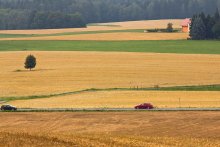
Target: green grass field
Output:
[(180, 46)]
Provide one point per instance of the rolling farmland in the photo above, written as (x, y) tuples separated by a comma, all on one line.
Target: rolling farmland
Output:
[(126, 99), (101, 66), (131, 30)]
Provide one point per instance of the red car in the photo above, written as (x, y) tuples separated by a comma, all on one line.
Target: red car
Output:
[(144, 106)]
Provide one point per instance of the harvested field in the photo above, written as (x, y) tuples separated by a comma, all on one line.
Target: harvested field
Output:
[(146, 24), (111, 36), (59, 72), (111, 129), (126, 99)]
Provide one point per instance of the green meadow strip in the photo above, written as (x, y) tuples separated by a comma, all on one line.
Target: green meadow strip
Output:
[(163, 46), (15, 35)]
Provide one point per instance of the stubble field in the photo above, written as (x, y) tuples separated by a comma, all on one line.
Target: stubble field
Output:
[(111, 129), (59, 72)]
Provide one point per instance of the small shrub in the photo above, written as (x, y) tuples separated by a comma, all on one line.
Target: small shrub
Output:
[(160, 30), (152, 30), (156, 86)]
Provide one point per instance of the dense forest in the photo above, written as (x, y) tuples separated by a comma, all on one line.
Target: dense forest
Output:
[(34, 14)]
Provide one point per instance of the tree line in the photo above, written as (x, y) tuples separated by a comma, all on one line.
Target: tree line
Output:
[(205, 26), (24, 19), (28, 14)]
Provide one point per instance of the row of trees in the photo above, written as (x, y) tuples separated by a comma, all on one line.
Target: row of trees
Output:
[(14, 12), (205, 26)]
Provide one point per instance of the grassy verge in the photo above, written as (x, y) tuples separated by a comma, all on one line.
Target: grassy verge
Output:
[(15, 35), (169, 46), (176, 88)]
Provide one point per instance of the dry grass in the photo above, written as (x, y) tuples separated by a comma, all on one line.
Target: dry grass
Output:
[(111, 36), (151, 24), (59, 72), (126, 99), (111, 129)]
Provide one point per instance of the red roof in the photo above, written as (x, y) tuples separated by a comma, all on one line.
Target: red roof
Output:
[(186, 22)]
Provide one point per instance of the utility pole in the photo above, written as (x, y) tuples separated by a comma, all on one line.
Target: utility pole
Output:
[(179, 102)]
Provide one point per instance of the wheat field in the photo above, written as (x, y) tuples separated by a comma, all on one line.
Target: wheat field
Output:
[(59, 72), (129, 25), (126, 99), (110, 129), (145, 24)]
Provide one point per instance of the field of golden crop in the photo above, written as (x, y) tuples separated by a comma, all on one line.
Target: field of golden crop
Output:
[(111, 129), (146, 24), (126, 99), (59, 72), (111, 36)]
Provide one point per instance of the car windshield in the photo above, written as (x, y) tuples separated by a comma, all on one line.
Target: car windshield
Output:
[(8, 106)]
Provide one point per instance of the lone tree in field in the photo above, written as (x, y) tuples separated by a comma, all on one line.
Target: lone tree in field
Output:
[(30, 62), (169, 27)]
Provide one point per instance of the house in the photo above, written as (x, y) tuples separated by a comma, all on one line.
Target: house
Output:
[(186, 25)]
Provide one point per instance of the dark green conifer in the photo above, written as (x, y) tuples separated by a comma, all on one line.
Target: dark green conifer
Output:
[(198, 29)]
